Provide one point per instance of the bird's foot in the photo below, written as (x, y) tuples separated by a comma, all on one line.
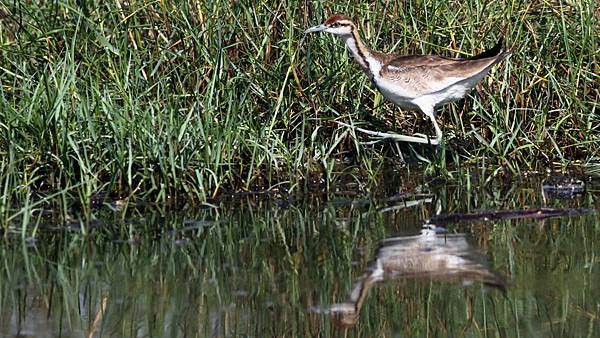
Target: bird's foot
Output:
[(379, 136)]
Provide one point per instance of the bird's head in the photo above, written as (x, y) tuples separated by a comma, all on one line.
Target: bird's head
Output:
[(337, 24)]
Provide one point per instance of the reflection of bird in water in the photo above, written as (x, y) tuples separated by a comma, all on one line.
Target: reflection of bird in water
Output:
[(447, 258)]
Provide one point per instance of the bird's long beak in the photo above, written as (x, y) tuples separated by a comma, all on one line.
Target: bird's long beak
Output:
[(315, 29)]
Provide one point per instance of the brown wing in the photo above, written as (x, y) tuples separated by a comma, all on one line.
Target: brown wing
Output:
[(434, 60), (426, 74)]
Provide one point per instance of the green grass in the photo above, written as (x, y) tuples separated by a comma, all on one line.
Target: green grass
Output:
[(172, 100)]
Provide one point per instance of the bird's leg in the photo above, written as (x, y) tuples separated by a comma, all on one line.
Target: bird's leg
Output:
[(429, 110), (438, 131)]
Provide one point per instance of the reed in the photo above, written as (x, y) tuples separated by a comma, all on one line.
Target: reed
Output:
[(188, 99)]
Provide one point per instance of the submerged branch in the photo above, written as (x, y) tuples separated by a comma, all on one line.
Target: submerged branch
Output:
[(540, 213)]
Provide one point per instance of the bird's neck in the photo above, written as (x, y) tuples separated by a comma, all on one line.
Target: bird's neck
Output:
[(361, 53)]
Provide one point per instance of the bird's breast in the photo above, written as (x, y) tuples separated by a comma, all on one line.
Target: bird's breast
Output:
[(400, 92)]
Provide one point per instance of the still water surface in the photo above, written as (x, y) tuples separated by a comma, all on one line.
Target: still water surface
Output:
[(351, 264)]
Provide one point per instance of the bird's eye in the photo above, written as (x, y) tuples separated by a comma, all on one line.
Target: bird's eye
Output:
[(335, 25)]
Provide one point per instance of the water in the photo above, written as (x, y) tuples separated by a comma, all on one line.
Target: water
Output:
[(353, 264)]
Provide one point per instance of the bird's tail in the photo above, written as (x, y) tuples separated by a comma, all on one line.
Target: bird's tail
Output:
[(497, 51)]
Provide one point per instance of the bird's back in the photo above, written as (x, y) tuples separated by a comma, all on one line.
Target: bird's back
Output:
[(404, 79)]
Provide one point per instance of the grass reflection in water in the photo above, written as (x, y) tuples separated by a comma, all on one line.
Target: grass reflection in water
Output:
[(255, 268)]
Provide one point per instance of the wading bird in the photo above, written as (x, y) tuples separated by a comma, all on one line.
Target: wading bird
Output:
[(416, 82)]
